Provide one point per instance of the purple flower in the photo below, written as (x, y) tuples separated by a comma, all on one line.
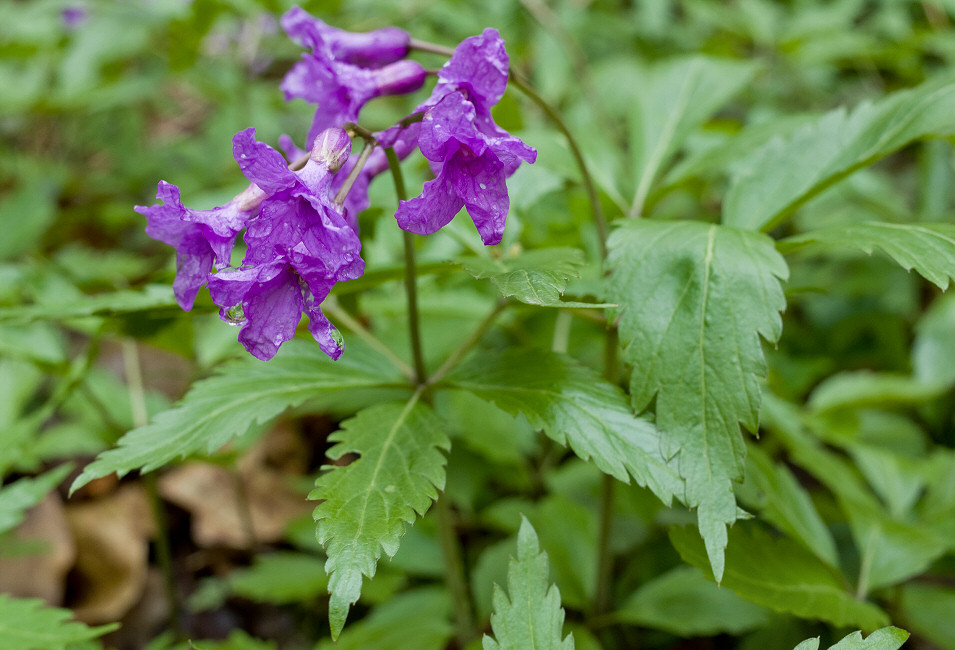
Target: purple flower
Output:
[(298, 246), (201, 237), (368, 50), (470, 155), (329, 77)]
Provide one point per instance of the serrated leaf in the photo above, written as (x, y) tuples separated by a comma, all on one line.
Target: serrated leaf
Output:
[(414, 619), (224, 406), (778, 573), (529, 615), (21, 495), (153, 297), (673, 98), (929, 248), (536, 277), (694, 300), (281, 577), (787, 172), (888, 638), (684, 603), (574, 407), (27, 624), (368, 502)]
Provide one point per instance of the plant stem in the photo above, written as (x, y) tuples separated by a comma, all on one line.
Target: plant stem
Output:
[(605, 530), (424, 46), (411, 284), (353, 174), (468, 343), (447, 534), (599, 219), (137, 404), (454, 571)]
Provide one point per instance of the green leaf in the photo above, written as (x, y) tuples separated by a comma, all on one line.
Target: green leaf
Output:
[(787, 172), (152, 298), (861, 388), (529, 616), (933, 351), (536, 277), (927, 609), (19, 496), (672, 99), (694, 299), (27, 624), (888, 638), (368, 502), (414, 619), (778, 573), (574, 407), (281, 577), (929, 248), (684, 603), (224, 406)]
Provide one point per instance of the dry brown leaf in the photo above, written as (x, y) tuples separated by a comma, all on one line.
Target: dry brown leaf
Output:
[(40, 574), (112, 542)]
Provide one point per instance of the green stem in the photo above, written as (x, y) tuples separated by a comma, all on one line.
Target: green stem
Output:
[(137, 403), (353, 174), (454, 571), (468, 343), (599, 219), (411, 279), (605, 530)]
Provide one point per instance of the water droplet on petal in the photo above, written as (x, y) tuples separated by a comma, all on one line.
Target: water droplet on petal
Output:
[(234, 316), (482, 186)]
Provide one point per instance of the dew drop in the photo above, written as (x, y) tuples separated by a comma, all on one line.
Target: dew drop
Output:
[(234, 316), (483, 186)]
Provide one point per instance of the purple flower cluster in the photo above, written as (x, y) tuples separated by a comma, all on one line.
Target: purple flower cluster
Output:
[(299, 240), (298, 244)]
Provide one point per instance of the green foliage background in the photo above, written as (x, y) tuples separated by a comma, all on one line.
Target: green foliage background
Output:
[(795, 155)]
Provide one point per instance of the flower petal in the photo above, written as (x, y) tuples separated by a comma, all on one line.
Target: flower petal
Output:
[(260, 163), (480, 182), (432, 210)]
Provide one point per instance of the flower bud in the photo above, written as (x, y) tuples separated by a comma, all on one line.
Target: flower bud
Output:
[(400, 77), (331, 148), (369, 49)]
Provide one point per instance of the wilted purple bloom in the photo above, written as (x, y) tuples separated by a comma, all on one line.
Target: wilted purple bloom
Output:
[(366, 50), (327, 76), (202, 238), (298, 247), (470, 155)]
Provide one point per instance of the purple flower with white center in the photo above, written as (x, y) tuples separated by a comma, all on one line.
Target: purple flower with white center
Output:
[(202, 238), (366, 50), (338, 87), (298, 247), (470, 155)]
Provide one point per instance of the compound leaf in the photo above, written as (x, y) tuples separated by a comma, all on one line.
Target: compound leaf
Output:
[(529, 615), (367, 503), (224, 406), (929, 248), (787, 172), (575, 407), (27, 624), (694, 299)]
